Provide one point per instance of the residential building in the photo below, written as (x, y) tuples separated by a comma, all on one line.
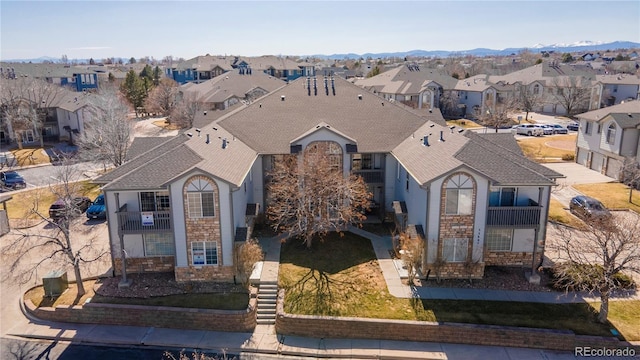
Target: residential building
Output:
[(611, 90), (199, 68), (181, 204), (76, 78), (608, 136)]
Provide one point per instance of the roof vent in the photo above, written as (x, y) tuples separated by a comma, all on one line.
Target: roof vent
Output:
[(281, 98), (359, 96), (198, 130), (207, 141), (224, 143), (460, 130), (425, 140), (189, 134), (441, 136), (205, 113), (432, 125), (215, 128)]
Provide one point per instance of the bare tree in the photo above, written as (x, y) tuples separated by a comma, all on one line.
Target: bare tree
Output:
[(411, 252), (630, 175), (108, 130), (528, 100), (498, 113), (449, 104), (247, 255), (31, 248), (24, 102), (162, 99), (590, 260), (309, 195), (572, 93), (184, 112)]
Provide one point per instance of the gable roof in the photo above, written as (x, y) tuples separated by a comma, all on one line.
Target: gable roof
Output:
[(407, 79), (271, 123), (231, 84), (140, 145), (628, 107)]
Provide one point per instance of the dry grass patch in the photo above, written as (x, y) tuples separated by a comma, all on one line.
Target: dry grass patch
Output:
[(542, 148), (625, 316), (68, 297), (165, 125), (558, 213), (31, 156), (463, 123), (22, 203), (613, 195)]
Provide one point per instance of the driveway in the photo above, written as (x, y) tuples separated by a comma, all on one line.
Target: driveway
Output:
[(146, 128), (574, 174)]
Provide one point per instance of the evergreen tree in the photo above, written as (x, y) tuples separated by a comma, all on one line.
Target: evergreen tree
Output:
[(133, 90)]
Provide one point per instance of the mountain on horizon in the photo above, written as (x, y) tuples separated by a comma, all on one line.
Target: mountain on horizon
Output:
[(583, 45)]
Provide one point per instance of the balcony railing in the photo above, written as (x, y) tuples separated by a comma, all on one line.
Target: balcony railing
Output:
[(139, 222), (371, 176), (514, 216)]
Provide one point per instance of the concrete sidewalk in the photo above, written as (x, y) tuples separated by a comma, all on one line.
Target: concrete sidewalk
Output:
[(264, 343)]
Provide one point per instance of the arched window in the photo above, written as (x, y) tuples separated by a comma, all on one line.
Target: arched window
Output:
[(536, 89), (459, 195), (200, 199), (611, 133), (331, 149)]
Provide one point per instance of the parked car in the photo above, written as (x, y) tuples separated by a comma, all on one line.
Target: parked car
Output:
[(573, 126), (546, 129), (97, 210), (558, 129), (527, 129), (59, 207), (587, 207), (12, 180)]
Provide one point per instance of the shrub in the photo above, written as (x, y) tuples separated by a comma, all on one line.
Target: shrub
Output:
[(568, 157), (580, 277)]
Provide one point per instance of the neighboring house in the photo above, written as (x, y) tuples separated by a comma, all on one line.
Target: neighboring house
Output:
[(612, 89), (280, 67), (76, 78), (607, 136), (199, 68), (181, 204), (411, 84), (477, 96), (233, 87)]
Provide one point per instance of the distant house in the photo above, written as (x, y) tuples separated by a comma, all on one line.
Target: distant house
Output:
[(607, 136), (76, 78), (233, 87), (199, 69), (182, 204), (613, 89), (280, 67), (411, 84)]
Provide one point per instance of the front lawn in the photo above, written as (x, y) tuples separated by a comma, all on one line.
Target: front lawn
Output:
[(31, 156), (219, 301), (341, 277), (613, 195), (21, 204), (464, 123), (558, 213), (548, 148)]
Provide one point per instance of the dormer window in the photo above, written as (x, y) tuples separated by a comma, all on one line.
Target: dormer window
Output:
[(611, 134)]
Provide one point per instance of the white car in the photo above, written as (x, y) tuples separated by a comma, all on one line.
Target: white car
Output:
[(527, 129)]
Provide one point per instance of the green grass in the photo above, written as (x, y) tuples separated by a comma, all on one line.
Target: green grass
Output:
[(225, 301), (625, 316), (219, 301), (341, 277), (612, 195)]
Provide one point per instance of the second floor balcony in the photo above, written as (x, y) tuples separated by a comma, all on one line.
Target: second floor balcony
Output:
[(514, 216), (140, 222)]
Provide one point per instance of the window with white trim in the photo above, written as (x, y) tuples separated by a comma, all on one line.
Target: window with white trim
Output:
[(587, 127), (459, 195), (204, 253), (499, 239), (455, 249), (200, 199), (611, 133), (158, 244), (154, 201)]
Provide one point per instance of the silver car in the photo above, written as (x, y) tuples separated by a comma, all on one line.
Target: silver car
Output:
[(527, 129)]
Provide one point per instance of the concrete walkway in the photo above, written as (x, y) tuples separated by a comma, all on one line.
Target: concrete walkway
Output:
[(264, 343)]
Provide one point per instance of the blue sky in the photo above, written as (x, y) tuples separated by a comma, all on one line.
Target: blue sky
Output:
[(100, 29)]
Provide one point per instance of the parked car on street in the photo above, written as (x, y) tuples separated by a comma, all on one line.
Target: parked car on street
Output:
[(97, 210), (587, 207), (546, 129), (573, 126), (527, 129), (557, 129), (12, 180), (78, 205)]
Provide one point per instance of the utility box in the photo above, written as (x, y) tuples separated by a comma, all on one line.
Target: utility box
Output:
[(55, 283)]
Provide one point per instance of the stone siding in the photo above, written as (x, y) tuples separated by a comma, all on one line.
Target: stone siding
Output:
[(146, 264), (151, 316), (508, 258)]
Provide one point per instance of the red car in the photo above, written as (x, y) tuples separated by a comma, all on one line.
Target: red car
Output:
[(77, 206)]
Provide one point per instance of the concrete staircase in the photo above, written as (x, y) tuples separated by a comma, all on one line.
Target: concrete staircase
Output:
[(267, 297)]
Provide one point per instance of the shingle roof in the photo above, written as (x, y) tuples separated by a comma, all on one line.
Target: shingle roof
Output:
[(501, 165), (425, 163), (621, 79), (545, 73), (232, 84), (407, 79), (44, 70), (626, 121), (632, 107), (141, 145), (269, 124), (206, 63)]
